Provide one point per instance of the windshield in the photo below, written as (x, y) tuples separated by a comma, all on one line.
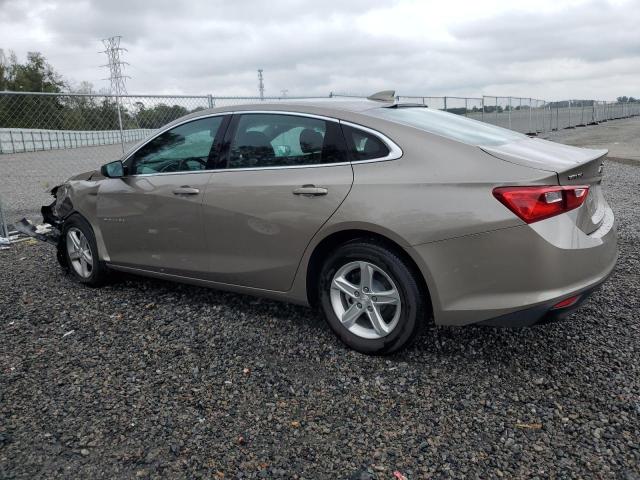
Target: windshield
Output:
[(450, 125)]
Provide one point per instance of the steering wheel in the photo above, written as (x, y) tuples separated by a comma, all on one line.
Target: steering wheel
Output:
[(179, 166)]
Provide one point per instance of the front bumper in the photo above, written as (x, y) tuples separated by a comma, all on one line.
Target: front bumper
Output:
[(514, 276)]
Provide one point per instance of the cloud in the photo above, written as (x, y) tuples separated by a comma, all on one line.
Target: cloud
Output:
[(551, 49)]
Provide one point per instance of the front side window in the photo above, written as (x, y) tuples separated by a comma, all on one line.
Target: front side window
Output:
[(364, 145), (187, 147), (275, 140)]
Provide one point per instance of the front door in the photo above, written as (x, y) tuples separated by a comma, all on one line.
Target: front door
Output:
[(286, 175), (152, 218)]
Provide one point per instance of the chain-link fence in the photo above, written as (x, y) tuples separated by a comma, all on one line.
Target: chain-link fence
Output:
[(527, 115), (47, 137)]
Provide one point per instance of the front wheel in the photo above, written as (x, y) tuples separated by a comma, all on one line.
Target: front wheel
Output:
[(371, 298), (80, 252)]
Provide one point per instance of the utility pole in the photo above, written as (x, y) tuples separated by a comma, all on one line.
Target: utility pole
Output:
[(260, 84), (116, 76)]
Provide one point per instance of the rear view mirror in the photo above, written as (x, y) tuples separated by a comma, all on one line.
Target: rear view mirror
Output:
[(113, 169)]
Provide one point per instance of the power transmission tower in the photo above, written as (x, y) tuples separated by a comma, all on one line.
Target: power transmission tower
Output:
[(260, 84), (116, 75)]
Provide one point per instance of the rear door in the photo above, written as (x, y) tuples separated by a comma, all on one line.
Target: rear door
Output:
[(286, 175), (152, 218)]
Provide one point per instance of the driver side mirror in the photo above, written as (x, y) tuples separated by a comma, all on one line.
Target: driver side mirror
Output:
[(113, 169)]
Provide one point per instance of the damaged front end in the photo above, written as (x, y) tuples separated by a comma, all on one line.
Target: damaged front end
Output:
[(53, 215)]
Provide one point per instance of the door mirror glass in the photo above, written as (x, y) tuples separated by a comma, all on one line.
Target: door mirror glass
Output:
[(113, 169)]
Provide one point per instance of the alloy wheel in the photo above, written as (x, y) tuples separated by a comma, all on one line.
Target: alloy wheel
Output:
[(365, 299), (79, 252)]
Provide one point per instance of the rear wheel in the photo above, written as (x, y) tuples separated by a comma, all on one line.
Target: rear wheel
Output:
[(371, 298), (81, 252)]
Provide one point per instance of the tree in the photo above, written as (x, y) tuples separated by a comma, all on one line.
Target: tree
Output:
[(36, 75)]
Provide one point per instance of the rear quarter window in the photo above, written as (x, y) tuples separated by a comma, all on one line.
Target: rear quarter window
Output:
[(364, 145)]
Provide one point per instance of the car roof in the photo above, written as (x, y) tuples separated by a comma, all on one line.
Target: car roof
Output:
[(319, 106)]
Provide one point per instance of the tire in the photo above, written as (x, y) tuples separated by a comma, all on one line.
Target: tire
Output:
[(402, 313), (86, 268)]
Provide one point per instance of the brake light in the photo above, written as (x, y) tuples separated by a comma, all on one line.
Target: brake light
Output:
[(536, 203)]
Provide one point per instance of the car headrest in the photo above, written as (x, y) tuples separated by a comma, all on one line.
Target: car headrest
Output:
[(311, 141), (253, 138)]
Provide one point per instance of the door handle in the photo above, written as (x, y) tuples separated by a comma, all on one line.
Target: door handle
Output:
[(310, 191), (186, 190)]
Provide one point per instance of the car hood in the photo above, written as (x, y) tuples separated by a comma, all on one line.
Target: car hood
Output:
[(543, 154), (84, 175)]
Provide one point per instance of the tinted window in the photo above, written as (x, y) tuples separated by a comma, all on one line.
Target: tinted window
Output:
[(183, 148), (449, 125), (363, 145), (273, 140)]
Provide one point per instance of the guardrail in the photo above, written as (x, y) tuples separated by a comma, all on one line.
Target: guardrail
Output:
[(18, 140)]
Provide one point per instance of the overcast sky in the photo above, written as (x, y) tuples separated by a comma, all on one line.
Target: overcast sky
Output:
[(549, 49)]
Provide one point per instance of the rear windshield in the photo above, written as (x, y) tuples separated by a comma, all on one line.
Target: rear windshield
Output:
[(448, 125)]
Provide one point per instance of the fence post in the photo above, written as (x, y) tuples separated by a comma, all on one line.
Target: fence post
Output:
[(4, 230), (530, 117), (120, 122), (210, 98), (509, 112), (569, 113), (496, 110), (445, 104), (466, 107), (13, 145), (482, 114)]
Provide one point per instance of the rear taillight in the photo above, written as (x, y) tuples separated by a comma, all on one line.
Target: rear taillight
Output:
[(536, 203)]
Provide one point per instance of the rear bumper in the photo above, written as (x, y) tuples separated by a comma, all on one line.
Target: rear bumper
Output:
[(540, 314), (514, 276)]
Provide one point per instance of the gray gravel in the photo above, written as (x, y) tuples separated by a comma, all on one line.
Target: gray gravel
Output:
[(149, 378)]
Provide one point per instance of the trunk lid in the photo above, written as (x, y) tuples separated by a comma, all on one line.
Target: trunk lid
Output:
[(572, 165)]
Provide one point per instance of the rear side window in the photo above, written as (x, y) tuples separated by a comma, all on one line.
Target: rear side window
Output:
[(276, 140), (363, 145), (186, 147)]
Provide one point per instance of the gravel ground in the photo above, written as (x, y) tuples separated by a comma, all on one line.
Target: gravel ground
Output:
[(620, 137), (149, 378)]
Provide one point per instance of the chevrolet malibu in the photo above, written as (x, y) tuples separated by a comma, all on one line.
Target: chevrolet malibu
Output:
[(383, 215)]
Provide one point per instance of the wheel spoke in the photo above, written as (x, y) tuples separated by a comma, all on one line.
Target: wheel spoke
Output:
[(388, 297), (366, 276), (377, 322), (83, 266), (350, 315), (75, 255), (345, 286), (75, 240), (86, 254)]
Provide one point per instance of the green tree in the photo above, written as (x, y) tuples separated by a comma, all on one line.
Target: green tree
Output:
[(36, 75)]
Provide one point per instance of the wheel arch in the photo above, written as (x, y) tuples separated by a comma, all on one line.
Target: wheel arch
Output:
[(337, 238)]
